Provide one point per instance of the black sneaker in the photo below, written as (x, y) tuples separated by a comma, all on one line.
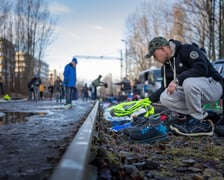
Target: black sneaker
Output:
[(143, 122), (193, 127), (219, 130), (149, 134), (170, 117), (215, 117), (139, 121)]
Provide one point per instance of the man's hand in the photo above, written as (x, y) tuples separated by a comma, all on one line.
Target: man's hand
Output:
[(172, 87)]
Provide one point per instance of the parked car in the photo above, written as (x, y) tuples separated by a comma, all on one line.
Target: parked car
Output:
[(219, 66), (149, 81)]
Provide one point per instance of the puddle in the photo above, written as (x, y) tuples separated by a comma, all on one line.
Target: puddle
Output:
[(16, 117)]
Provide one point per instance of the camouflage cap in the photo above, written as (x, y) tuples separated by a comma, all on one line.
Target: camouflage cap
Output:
[(154, 44)]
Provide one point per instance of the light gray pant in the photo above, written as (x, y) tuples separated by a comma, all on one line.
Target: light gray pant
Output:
[(192, 95)]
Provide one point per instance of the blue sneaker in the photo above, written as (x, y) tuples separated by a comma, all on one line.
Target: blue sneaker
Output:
[(118, 123), (121, 127), (141, 122), (149, 134)]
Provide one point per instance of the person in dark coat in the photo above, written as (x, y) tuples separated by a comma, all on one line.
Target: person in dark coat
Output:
[(1, 86), (96, 83), (59, 89), (189, 81), (50, 90)]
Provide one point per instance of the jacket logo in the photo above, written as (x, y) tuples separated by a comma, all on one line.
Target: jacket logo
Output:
[(194, 55), (180, 64)]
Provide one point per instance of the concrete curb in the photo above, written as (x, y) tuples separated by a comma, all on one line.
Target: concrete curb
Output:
[(74, 163)]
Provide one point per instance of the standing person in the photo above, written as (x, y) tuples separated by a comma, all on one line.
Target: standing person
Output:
[(58, 88), (91, 91), (1, 86), (41, 91), (126, 85), (96, 83), (31, 89), (50, 90), (85, 92), (36, 81), (70, 81), (189, 81)]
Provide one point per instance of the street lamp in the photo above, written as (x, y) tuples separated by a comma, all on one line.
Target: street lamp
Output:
[(111, 84), (51, 77), (126, 59)]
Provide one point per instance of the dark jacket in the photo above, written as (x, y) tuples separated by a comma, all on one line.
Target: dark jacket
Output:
[(36, 81), (189, 62), (97, 82), (58, 85)]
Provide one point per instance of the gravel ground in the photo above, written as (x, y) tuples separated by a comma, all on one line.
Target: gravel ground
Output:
[(32, 147), (177, 158)]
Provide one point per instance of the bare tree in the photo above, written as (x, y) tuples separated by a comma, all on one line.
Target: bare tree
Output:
[(204, 22), (178, 25), (221, 29), (150, 20), (34, 32), (189, 21), (4, 16), (45, 31), (195, 22), (7, 49)]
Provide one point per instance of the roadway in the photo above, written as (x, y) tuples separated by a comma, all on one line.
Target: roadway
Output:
[(35, 135)]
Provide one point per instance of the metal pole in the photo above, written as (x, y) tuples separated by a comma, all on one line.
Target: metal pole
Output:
[(126, 60), (126, 63), (121, 63), (111, 84)]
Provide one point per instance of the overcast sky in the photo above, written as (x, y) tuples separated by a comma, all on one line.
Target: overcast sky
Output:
[(89, 28)]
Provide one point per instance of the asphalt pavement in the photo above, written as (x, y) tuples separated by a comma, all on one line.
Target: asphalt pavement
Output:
[(34, 136)]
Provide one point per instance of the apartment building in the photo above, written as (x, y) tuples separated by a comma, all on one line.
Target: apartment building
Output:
[(17, 68), (26, 67), (52, 76), (41, 68), (7, 64)]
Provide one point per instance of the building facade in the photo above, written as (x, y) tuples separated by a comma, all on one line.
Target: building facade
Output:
[(18, 68), (26, 68), (7, 64)]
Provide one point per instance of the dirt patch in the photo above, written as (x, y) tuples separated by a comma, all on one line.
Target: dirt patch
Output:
[(178, 157)]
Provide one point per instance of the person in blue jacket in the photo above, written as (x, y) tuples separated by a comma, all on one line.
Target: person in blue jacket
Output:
[(70, 80)]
